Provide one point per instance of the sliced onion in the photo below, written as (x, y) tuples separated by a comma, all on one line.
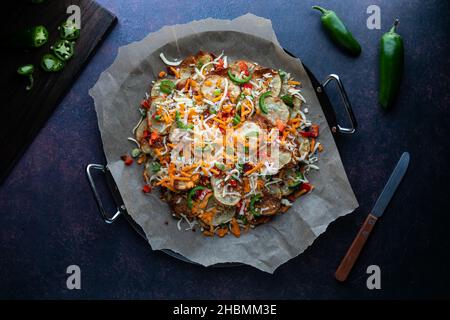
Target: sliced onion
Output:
[(169, 63)]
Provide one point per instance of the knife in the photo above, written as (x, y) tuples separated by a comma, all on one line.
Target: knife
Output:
[(386, 195)]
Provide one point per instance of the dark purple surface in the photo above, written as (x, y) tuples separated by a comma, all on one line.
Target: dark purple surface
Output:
[(49, 220)]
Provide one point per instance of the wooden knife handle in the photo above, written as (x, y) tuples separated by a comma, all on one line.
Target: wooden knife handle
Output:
[(355, 249)]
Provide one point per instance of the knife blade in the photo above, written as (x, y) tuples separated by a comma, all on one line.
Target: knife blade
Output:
[(392, 184), (386, 195)]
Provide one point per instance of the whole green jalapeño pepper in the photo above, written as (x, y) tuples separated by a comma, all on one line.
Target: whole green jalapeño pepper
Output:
[(338, 32), (27, 71), (391, 66), (63, 49), (50, 63)]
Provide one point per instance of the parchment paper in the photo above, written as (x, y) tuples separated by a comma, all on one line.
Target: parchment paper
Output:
[(117, 95)]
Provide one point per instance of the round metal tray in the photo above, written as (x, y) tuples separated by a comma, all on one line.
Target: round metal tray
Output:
[(121, 209)]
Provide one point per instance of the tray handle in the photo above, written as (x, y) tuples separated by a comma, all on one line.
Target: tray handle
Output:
[(108, 218), (345, 100)]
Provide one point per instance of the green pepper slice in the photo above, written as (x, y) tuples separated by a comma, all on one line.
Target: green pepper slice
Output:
[(180, 123), (288, 100), (236, 119), (50, 63), (39, 36), (191, 193), (32, 37), (155, 167), (238, 80), (166, 86), (63, 49), (254, 199), (262, 104), (27, 70), (69, 30), (298, 181), (136, 152), (220, 166), (282, 74)]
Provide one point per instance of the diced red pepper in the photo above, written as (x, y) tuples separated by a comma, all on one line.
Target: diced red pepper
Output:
[(243, 66), (145, 134), (247, 86), (154, 135), (247, 167), (280, 125), (233, 183), (315, 130), (204, 180), (145, 104), (219, 65), (306, 186), (306, 134), (127, 159), (200, 194), (146, 189), (291, 197)]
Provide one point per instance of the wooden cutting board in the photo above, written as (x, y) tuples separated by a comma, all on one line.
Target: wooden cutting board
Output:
[(23, 113)]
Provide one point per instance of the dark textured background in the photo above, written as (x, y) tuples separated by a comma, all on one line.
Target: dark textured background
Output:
[(49, 220)]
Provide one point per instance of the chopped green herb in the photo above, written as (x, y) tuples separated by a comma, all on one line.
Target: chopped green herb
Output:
[(254, 199)]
